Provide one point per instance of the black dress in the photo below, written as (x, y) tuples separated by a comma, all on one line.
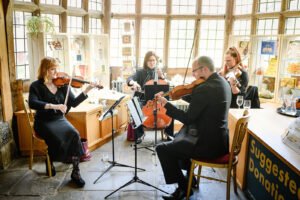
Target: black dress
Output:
[(62, 138), (243, 79)]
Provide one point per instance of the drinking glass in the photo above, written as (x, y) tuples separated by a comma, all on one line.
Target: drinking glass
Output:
[(290, 108), (105, 159), (247, 104), (239, 100)]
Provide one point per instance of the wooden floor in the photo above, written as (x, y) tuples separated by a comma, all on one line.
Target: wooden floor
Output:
[(17, 182)]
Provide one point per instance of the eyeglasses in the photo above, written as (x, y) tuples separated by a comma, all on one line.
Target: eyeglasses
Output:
[(194, 70)]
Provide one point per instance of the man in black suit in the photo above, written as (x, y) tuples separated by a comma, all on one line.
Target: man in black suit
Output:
[(205, 130)]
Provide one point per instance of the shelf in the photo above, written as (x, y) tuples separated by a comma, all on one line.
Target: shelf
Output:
[(292, 60), (297, 75), (296, 88), (264, 75)]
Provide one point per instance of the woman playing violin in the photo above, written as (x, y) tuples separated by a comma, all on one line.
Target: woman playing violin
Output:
[(47, 99), (140, 78), (238, 84)]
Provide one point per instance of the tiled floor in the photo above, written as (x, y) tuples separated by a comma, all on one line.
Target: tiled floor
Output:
[(17, 182)]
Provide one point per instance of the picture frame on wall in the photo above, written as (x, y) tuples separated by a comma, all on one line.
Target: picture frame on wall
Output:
[(127, 65), (126, 39), (267, 48), (243, 47), (126, 51)]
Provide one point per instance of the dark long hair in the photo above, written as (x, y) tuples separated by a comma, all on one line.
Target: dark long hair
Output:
[(147, 56)]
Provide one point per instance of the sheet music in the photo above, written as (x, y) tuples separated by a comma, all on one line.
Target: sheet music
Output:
[(136, 112)]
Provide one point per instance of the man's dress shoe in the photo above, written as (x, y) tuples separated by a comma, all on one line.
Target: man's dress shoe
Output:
[(177, 195), (194, 181)]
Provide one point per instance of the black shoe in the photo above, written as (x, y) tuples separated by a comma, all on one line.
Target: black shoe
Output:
[(52, 168), (138, 141), (170, 138), (76, 178), (178, 194), (194, 180)]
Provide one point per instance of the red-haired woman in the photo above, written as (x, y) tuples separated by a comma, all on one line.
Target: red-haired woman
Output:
[(239, 85), (47, 99)]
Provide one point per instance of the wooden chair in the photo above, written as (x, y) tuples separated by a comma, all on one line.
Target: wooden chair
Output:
[(35, 137), (228, 161)]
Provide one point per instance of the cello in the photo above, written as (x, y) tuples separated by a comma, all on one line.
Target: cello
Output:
[(158, 120), (153, 110)]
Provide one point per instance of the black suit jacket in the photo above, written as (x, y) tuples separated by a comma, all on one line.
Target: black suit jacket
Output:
[(208, 113)]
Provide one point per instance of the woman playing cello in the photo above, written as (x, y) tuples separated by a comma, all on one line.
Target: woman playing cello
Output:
[(141, 77)]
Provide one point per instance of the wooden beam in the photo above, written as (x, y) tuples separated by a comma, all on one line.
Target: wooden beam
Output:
[(52, 9), (281, 21), (167, 35), (291, 13), (267, 15), (228, 24), (253, 18), (137, 31), (25, 6), (106, 16), (78, 12), (239, 17), (6, 97)]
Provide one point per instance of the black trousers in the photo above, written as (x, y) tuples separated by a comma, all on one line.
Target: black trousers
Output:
[(172, 162)]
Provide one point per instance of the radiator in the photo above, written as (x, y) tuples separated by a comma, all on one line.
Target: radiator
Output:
[(182, 105), (117, 85)]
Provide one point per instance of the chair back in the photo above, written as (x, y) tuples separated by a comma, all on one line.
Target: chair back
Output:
[(29, 115), (239, 134), (252, 94)]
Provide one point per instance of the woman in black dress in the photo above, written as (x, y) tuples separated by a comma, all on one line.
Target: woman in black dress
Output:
[(140, 78), (47, 99), (232, 59)]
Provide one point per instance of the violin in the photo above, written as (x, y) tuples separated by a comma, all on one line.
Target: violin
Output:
[(63, 79), (234, 72), (182, 90)]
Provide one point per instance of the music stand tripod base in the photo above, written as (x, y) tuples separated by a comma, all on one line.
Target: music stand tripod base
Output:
[(113, 163), (135, 178)]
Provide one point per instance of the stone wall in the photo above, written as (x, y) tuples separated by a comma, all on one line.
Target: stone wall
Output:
[(7, 144)]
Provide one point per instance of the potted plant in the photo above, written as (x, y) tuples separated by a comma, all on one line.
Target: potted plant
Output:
[(38, 24)]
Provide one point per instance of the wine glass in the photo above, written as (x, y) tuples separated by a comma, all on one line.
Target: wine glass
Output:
[(247, 104), (239, 100)]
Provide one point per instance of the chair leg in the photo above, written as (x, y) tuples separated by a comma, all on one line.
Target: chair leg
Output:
[(234, 179), (228, 183), (190, 180), (162, 134), (48, 164), (198, 177), (31, 153)]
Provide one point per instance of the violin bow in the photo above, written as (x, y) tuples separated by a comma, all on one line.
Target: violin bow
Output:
[(195, 35), (69, 87)]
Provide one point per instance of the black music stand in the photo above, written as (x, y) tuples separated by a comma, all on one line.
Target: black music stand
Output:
[(138, 119), (113, 163)]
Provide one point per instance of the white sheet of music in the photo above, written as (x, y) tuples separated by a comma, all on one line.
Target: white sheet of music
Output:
[(136, 112)]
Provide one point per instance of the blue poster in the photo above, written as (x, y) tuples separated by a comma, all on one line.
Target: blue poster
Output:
[(268, 177), (268, 47)]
